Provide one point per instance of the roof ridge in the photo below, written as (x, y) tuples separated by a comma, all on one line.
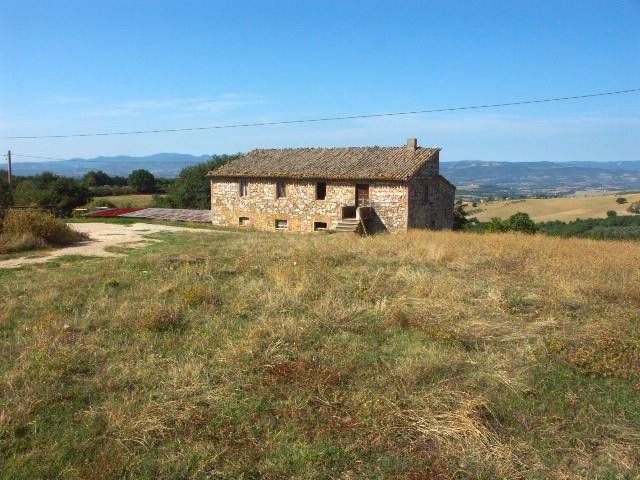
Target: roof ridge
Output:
[(371, 147), (369, 162)]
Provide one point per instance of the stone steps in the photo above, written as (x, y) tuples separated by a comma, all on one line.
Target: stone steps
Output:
[(347, 225)]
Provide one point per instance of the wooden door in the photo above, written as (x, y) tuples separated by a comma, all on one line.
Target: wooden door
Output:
[(362, 194)]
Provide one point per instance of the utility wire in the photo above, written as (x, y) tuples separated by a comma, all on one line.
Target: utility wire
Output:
[(33, 156), (326, 119)]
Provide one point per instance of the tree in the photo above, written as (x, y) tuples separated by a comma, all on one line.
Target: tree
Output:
[(621, 200), (460, 220), (5, 195), (142, 181), (634, 207), (61, 193), (521, 222), (96, 178), (192, 188)]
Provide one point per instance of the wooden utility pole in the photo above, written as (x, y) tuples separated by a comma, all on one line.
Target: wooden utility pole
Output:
[(9, 172)]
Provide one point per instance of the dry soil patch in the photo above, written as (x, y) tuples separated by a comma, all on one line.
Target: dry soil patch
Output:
[(103, 235)]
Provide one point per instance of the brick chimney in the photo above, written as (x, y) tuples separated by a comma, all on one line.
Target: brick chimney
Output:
[(412, 143)]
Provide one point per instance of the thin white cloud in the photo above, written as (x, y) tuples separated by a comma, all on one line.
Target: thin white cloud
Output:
[(180, 106), (65, 100)]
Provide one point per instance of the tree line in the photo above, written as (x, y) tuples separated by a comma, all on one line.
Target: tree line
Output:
[(614, 227), (63, 194)]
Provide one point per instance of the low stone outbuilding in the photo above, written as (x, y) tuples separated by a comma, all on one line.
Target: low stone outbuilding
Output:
[(305, 189)]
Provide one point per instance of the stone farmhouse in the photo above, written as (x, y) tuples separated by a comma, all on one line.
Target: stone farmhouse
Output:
[(366, 189)]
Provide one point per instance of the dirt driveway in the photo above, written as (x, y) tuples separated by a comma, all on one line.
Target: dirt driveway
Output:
[(103, 235)]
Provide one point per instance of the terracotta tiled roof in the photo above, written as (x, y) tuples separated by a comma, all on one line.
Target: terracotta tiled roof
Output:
[(354, 163)]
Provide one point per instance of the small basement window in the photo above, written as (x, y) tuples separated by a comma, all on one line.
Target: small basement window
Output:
[(317, 226), (244, 188), (243, 221), (321, 191), (281, 225), (281, 189)]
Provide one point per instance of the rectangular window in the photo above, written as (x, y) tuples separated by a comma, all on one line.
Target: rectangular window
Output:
[(281, 225), (244, 188), (281, 189), (243, 221), (319, 226), (321, 191)]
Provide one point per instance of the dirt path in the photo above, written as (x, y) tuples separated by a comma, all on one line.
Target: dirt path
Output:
[(103, 235)]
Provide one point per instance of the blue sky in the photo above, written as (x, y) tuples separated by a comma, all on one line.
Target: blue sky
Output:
[(87, 66)]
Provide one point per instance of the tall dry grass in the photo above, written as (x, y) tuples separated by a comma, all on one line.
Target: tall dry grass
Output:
[(425, 355), (24, 230)]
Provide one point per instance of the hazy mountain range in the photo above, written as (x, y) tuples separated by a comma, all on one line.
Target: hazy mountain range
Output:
[(161, 165), (542, 177), (470, 176)]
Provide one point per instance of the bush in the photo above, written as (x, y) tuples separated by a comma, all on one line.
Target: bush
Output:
[(42, 225), (634, 207), (20, 243), (612, 213), (518, 222), (621, 200), (164, 318), (495, 225)]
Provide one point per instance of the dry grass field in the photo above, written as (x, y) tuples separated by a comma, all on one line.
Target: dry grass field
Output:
[(130, 201), (418, 356), (547, 209)]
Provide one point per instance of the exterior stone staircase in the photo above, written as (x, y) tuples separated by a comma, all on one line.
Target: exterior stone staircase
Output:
[(348, 225)]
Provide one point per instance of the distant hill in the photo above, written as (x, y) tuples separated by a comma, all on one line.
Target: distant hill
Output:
[(166, 165), (518, 178), (472, 177)]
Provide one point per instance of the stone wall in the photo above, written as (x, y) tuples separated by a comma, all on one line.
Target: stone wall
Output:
[(390, 209), (430, 199), (444, 204), (300, 207)]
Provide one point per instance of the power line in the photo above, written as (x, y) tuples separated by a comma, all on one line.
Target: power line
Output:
[(325, 119), (34, 156)]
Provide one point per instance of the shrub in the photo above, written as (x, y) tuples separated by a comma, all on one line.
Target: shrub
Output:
[(20, 227), (634, 207), (20, 243), (612, 213), (200, 294), (164, 318), (621, 200), (496, 225)]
